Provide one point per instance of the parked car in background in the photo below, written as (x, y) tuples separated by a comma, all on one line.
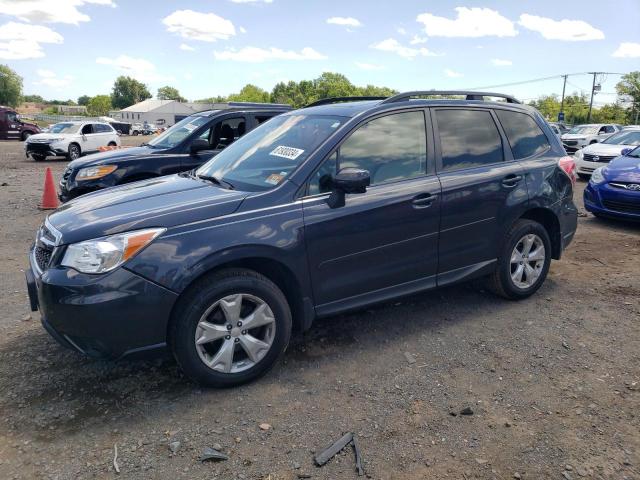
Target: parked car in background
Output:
[(630, 127), (583, 135), (614, 190), (71, 139), (555, 129), (185, 146), (143, 129), (596, 155), (315, 212), (13, 128), (561, 127)]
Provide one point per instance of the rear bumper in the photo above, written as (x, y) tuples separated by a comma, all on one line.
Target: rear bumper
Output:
[(110, 315)]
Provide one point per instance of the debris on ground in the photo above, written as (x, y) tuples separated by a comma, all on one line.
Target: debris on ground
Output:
[(466, 411), (116, 467), (174, 447), (265, 426), (410, 358), (336, 447), (212, 454)]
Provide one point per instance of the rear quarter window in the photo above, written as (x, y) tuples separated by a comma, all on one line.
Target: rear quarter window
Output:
[(525, 136)]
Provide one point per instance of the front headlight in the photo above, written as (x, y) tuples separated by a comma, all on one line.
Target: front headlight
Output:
[(597, 176), (91, 173), (54, 140), (579, 154), (105, 254)]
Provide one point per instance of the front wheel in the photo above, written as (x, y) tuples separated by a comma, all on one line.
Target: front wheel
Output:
[(524, 261), (25, 135), (73, 152), (230, 328), (111, 144)]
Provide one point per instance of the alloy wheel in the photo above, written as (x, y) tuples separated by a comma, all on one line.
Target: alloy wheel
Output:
[(527, 261), (235, 333)]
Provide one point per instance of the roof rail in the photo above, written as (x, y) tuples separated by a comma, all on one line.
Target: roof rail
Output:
[(330, 100), (470, 95), (256, 105)]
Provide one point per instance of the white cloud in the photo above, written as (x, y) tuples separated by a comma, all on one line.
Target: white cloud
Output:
[(344, 21), (207, 27), (628, 50), (257, 54), (393, 46), (402, 31), (416, 40), (498, 62), (452, 74), (469, 22), (21, 40), (369, 66), (243, 30), (186, 48), (570, 30), (49, 11), (137, 68), (51, 79)]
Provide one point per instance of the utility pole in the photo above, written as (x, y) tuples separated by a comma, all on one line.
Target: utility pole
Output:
[(564, 86), (593, 87)]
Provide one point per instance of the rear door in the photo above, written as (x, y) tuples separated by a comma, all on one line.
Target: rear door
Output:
[(221, 133), (383, 242), (104, 134), (481, 186)]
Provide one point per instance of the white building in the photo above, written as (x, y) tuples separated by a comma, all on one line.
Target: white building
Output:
[(163, 113)]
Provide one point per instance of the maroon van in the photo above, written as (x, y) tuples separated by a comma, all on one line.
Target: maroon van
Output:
[(12, 128)]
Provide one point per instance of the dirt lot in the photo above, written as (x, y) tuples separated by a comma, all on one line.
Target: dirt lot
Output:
[(553, 381)]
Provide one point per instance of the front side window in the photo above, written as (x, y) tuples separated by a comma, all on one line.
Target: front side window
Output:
[(224, 133), (12, 116), (87, 129), (523, 133), (468, 138), (264, 157), (179, 132)]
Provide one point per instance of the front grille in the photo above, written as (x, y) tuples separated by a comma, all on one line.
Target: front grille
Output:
[(588, 157), (622, 206), (41, 148), (43, 257), (571, 143)]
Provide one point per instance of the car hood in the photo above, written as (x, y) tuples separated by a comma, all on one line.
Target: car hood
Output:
[(623, 169), (604, 149), (110, 156), (574, 136), (49, 136), (157, 202), (31, 125)]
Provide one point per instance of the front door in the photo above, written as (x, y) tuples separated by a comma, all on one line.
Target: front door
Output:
[(90, 139), (383, 242), (220, 134), (481, 187), (13, 126)]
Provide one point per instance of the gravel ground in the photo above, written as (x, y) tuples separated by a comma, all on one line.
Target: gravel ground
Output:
[(552, 381)]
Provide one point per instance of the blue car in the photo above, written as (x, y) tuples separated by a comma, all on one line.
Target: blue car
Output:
[(614, 190)]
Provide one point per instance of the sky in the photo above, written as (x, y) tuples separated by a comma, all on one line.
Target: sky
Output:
[(67, 48)]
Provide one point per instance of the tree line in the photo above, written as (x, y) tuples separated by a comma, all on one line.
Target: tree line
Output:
[(128, 91)]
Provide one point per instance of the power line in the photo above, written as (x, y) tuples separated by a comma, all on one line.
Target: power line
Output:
[(541, 79)]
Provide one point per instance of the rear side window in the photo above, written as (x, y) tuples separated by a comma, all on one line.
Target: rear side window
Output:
[(101, 128), (468, 138), (524, 135)]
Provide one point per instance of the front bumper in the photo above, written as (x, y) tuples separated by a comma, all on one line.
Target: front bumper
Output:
[(46, 149), (572, 146), (110, 315), (608, 201), (585, 167)]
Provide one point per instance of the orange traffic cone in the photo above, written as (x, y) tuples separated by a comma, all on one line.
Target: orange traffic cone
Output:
[(49, 196)]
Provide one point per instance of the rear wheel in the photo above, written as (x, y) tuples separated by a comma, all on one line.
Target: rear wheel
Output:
[(230, 328), (73, 151), (111, 144), (524, 261)]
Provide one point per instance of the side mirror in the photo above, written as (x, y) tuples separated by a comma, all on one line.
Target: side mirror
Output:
[(348, 180), (198, 145), (626, 151)]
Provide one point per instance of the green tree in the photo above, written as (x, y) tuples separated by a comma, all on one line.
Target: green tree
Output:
[(548, 106), (331, 84), (128, 91), (33, 99), (250, 93), (10, 87), (170, 93), (629, 87), (99, 105), (84, 100), (610, 113), (218, 99)]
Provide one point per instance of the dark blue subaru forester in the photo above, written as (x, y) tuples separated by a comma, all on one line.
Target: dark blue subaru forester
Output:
[(317, 211)]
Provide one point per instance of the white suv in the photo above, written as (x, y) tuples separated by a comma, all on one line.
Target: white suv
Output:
[(583, 135), (71, 139), (601, 153)]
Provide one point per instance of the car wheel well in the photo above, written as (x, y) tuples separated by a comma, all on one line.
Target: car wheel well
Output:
[(551, 224), (275, 271)]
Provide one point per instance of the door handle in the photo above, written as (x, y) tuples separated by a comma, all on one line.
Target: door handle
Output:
[(423, 200), (511, 180)]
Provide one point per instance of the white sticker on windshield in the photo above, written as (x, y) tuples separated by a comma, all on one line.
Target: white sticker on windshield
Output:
[(335, 125), (190, 126), (287, 152)]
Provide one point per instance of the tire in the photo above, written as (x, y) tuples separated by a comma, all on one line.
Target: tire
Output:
[(25, 135), (212, 299), (584, 176), (501, 281), (73, 152), (38, 158), (111, 144), (135, 133)]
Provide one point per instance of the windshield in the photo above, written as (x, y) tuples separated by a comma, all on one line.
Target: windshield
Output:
[(628, 137), (635, 153), (64, 128), (176, 134), (265, 156), (584, 129)]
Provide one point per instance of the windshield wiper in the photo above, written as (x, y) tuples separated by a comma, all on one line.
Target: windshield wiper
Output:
[(145, 144), (217, 181)]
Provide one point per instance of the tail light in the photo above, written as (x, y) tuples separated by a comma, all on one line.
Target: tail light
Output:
[(568, 166)]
